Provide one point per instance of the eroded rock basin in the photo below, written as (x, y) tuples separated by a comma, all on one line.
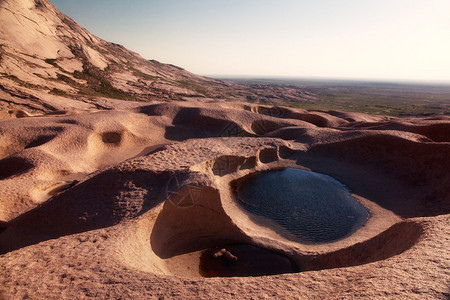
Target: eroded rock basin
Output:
[(142, 218), (314, 207), (249, 261), (331, 227)]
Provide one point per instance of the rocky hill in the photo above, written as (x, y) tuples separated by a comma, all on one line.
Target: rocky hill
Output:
[(45, 57), (104, 195)]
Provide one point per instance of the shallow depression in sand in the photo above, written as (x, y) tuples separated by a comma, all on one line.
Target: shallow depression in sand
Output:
[(314, 207)]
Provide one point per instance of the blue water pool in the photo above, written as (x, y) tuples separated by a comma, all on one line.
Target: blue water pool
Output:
[(316, 208)]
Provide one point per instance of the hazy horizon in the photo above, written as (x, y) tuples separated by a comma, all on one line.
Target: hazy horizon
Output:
[(330, 79), (402, 41)]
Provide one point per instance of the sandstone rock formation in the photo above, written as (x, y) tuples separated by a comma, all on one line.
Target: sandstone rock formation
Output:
[(50, 63), (133, 200)]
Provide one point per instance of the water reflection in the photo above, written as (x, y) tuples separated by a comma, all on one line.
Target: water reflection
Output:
[(316, 208)]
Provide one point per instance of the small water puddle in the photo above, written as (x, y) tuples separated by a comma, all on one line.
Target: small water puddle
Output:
[(316, 208), (249, 261)]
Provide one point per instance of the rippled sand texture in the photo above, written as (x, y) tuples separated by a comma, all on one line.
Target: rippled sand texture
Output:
[(120, 204)]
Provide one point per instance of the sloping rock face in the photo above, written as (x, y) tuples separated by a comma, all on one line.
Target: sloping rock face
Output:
[(45, 54), (49, 63)]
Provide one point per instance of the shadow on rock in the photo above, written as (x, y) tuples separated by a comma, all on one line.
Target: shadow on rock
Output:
[(102, 201)]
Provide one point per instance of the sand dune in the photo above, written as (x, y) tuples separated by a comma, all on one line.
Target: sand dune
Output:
[(131, 199)]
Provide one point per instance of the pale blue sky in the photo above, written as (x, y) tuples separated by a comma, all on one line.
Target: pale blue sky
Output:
[(352, 39)]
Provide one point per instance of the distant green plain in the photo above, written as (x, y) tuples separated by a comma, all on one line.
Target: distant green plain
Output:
[(379, 98)]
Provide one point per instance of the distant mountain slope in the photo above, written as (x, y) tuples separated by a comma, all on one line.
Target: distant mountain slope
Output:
[(46, 51), (45, 56)]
